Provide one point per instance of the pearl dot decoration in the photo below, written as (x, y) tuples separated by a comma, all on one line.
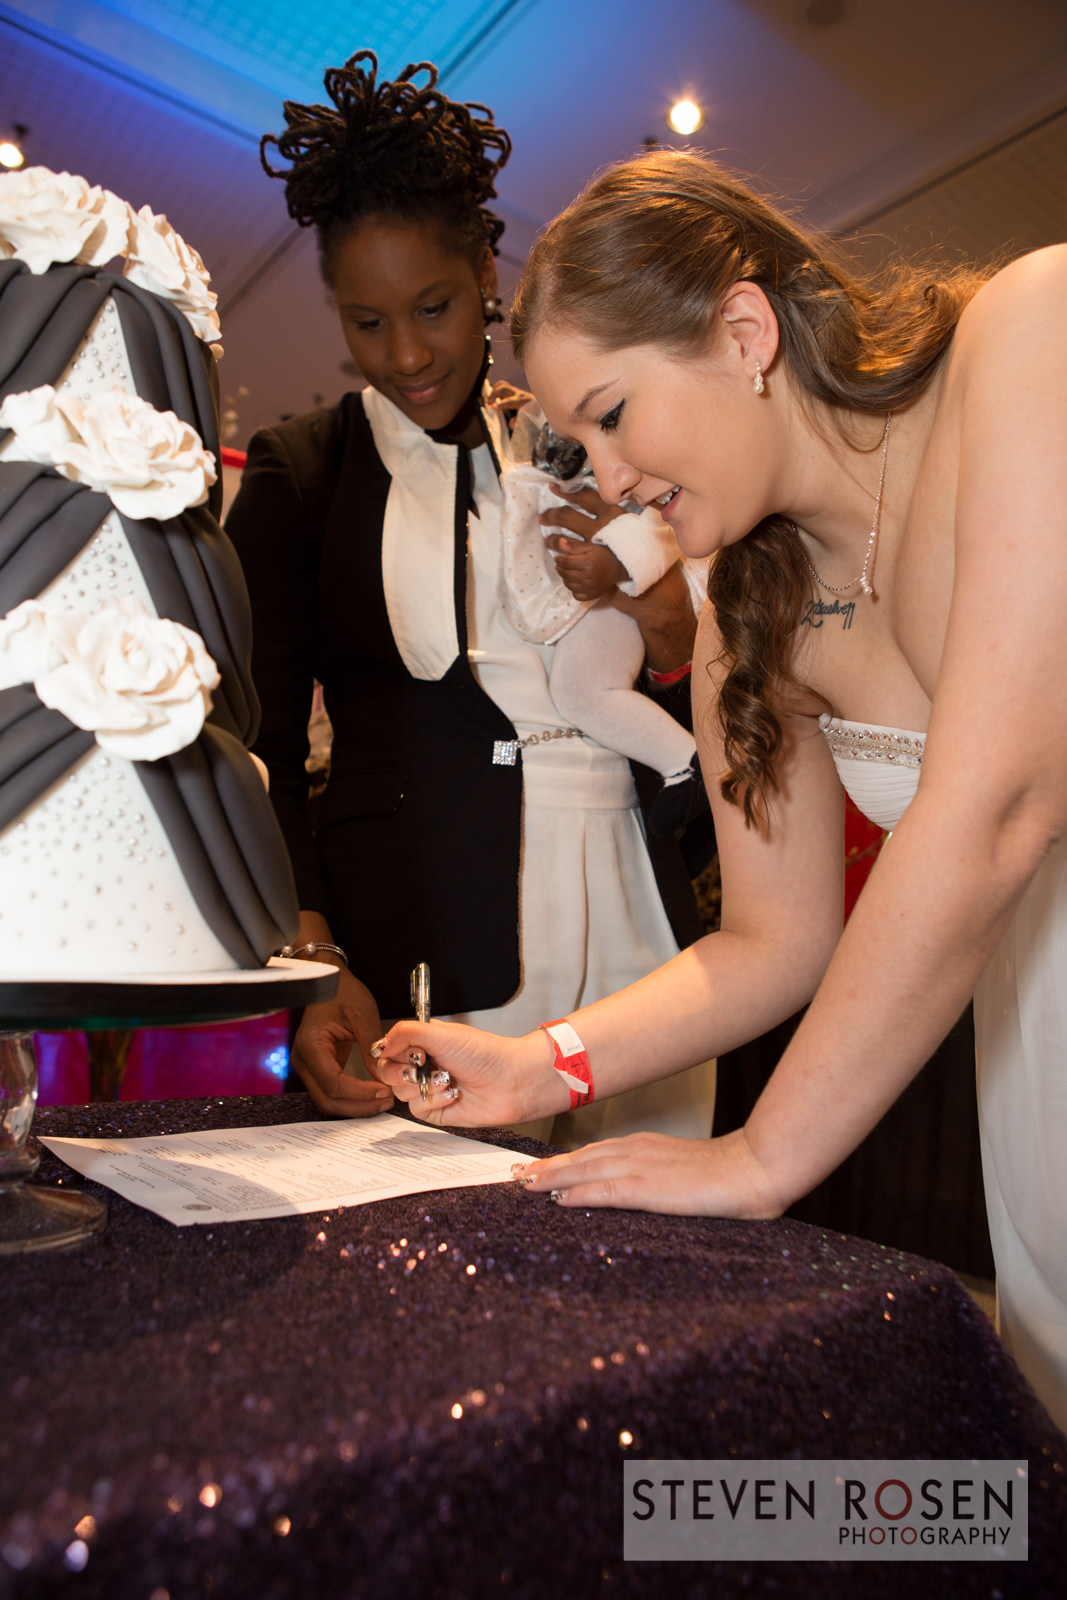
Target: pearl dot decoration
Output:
[(60, 900)]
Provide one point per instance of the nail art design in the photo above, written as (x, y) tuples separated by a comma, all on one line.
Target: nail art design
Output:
[(417, 1058), (408, 1075), (518, 1168), (440, 1079), (558, 1195), (452, 1094), (377, 1048)]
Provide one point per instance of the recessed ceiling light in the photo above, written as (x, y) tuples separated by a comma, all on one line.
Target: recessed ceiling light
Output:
[(685, 116), (11, 153)]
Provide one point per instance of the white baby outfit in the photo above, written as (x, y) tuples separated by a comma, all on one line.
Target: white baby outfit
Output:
[(595, 664)]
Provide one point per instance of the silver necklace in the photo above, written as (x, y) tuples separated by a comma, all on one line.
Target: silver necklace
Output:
[(864, 578)]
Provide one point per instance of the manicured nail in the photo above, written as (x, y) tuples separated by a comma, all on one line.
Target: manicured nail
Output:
[(523, 1180), (440, 1079), (417, 1058), (408, 1075), (452, 1094), (558, 1195), (378, 1049), (518, 1168)]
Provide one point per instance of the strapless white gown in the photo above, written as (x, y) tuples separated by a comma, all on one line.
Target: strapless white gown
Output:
[(1020, 1018)]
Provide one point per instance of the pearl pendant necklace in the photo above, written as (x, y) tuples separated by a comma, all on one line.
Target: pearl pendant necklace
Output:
[(864, 578)]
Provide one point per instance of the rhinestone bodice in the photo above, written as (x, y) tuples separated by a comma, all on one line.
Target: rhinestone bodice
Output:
[(879, 767)]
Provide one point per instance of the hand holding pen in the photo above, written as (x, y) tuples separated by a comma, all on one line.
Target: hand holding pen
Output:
[(430, 1080), (420, 1004)]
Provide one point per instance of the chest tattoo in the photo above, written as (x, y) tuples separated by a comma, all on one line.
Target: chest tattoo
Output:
[(816, 612)]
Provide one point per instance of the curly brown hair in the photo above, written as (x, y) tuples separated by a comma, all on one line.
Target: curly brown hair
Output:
[(644, 256), (401, 150)]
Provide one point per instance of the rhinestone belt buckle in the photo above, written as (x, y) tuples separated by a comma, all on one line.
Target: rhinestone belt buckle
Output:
[(505, 752)]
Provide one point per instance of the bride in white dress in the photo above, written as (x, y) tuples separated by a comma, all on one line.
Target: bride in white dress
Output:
[(881, 478), (1020, 1019)]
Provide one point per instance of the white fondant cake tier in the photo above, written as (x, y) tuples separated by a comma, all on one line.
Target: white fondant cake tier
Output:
[(90, 883), (91, 886), (100, 361), (104, 570)]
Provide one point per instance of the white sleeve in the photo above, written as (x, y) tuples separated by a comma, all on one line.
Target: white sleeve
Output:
[(644, 544), (533, 596)]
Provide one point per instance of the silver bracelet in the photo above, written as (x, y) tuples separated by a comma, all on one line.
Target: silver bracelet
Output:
[(291, 951)]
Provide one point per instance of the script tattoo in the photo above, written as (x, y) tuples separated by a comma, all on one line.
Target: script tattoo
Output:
[(817, 611)]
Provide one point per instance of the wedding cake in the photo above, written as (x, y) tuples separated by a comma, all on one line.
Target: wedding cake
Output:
[(136, 836)]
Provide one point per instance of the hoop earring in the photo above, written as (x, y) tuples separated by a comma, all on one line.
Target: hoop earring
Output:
[(757, 382)]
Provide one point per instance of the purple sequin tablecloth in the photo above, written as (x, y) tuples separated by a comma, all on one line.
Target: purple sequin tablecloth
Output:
[(434, 1396)]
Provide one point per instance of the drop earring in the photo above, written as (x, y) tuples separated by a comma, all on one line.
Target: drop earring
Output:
[(757, 382), (491, 309)]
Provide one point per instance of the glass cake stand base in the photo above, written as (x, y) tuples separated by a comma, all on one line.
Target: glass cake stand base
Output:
[(48, 1218), (32, 1219)]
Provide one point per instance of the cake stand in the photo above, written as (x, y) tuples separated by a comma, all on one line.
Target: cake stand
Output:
[(47, 1218)]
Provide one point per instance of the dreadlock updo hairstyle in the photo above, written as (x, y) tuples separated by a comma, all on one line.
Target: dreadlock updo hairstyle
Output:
[(645, 256), (400, 150)]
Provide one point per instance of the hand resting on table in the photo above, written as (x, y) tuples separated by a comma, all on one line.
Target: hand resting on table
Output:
[(494, 1081)]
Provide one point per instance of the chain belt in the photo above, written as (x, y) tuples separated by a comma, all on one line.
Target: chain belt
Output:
[(506, 751)]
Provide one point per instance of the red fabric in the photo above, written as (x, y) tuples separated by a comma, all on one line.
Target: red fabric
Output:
[(173, 1063), (665, 679), (863, 840)]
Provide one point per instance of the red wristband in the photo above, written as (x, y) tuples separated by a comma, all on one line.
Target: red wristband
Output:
[(571, 1061), (665, 679)]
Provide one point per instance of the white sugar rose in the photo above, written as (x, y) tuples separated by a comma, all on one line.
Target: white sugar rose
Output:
[(33, 641), (41, 425), (159, 259), (151, 463), (140, 683), (48, 217)]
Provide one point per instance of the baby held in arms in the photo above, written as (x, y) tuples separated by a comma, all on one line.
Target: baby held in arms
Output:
[(555, 592)]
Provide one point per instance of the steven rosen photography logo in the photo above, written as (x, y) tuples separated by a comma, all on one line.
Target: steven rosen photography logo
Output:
[(825, 1510)]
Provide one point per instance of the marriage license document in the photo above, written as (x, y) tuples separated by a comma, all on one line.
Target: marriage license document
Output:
[(240, 1174)]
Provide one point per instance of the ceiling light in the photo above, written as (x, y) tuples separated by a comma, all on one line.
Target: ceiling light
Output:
[(685, 116), (11, 152)]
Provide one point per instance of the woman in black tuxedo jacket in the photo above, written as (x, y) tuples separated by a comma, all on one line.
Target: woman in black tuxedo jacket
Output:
[(462, 825)]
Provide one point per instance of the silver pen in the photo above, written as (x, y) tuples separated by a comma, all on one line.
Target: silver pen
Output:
[(420, 1004)]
